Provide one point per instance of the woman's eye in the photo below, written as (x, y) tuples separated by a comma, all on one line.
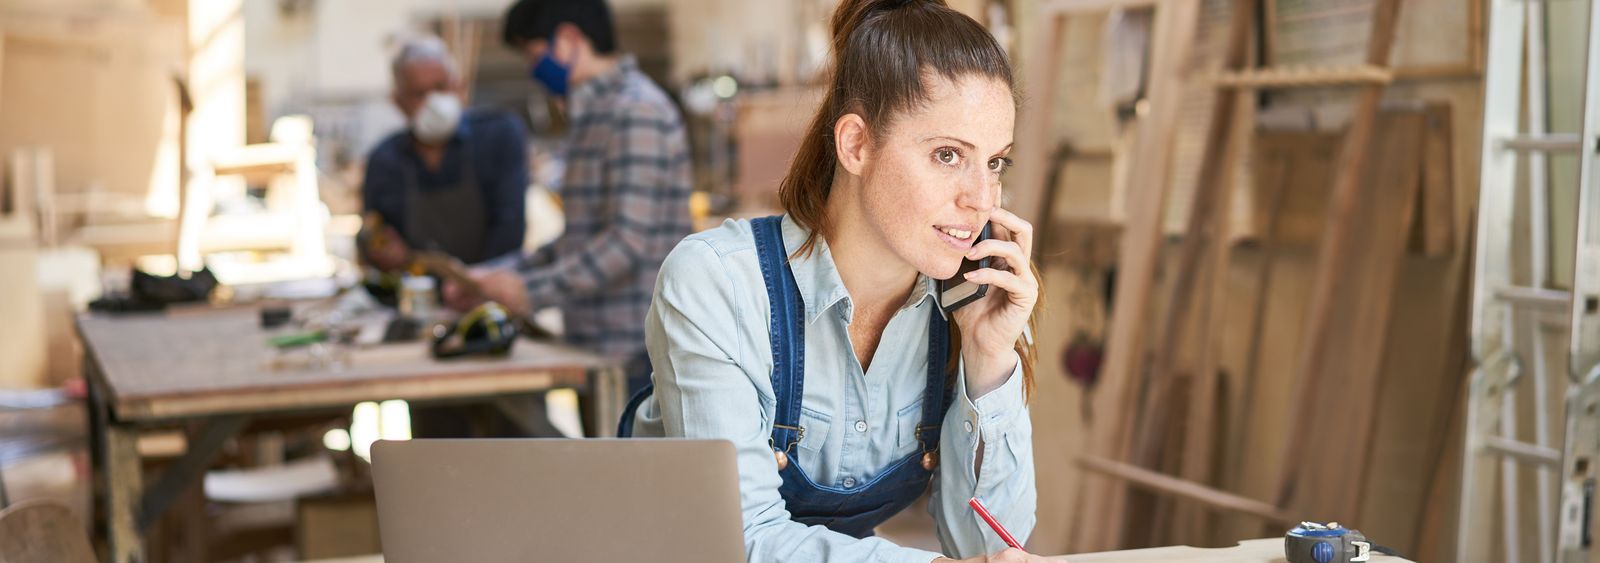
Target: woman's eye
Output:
[(999, 165), (947, 157)]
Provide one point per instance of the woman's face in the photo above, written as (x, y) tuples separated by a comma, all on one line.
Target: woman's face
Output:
[(934, 174)]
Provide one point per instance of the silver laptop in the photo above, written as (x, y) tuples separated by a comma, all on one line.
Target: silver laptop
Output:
[(562, 500)]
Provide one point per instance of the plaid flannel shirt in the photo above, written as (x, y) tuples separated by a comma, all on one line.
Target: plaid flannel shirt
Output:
[(626, 198)]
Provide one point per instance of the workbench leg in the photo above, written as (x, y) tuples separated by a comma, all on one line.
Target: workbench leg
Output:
[(124, 488), (528, 413), (203, 448), (603, 403)]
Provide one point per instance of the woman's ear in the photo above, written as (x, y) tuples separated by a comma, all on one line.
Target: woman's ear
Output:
[(851, 143)]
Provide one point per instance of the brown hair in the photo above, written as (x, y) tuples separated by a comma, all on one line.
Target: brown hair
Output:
[(883, 51)]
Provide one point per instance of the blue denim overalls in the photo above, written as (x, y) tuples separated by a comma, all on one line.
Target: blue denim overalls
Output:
[(854, 511)]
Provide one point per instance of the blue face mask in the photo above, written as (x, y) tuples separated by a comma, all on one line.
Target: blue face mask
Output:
[(551, 74)]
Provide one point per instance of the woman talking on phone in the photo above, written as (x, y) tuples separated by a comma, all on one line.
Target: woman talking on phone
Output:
[(819, 343)]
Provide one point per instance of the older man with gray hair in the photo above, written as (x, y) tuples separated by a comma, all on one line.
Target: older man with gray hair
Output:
[(454, 180)]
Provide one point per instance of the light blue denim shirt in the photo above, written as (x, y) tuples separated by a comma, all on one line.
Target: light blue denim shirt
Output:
[(707, 334)]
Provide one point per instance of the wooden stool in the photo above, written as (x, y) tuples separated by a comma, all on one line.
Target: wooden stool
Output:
[(40, 532)]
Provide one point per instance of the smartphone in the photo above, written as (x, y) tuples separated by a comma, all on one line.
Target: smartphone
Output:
[(956, 292)]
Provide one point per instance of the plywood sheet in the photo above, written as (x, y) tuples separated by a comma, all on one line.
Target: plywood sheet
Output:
[(22, 334), (98, 91), (1431, 34)]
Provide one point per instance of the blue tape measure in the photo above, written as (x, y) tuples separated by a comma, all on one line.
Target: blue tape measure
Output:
[(1311, 542)]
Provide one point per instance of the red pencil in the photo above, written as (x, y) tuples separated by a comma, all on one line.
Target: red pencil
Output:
[(998, 529)]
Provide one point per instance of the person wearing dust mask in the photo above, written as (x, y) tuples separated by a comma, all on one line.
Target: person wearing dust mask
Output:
[(624, 189), (455, 179)]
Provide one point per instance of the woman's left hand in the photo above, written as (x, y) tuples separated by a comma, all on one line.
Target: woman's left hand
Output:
[(991, 326)]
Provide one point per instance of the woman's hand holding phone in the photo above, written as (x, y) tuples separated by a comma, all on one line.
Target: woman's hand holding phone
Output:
[(991, 325)]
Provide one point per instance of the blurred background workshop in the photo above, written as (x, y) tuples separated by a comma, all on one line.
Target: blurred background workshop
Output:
[(1302, 261)]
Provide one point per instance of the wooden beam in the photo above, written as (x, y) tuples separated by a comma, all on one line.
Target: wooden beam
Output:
[(1035, 134), (1201, 429), (1116, 397), (1438, 184), (1174, 486), (1391, 190), (1207, 225), (1305, 76), (1336, 252), (1053, 7)]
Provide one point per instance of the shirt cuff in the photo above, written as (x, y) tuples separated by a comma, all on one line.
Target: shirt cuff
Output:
[(543, 289), (997, 408)]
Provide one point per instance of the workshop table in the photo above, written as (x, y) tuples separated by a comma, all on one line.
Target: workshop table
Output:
[(1268, 550), (214, 371), (1251, 551)]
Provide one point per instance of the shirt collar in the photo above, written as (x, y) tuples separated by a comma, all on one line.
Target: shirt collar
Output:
[(602, 86), (816, 276)]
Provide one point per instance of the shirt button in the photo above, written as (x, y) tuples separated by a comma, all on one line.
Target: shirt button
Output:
[(968, 424), (849, 482), (861, 426)]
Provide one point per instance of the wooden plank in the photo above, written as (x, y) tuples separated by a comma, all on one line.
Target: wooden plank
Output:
[(1201, 429), (1284, 162), (1436, 522), (1115, 399), (1438, 188), (1388, 207), (1187, 489), (1303, 214), (1436, 39), (1336, 252), (1205, 225), (1080, 6), (1305, 76), (1278, 160), (1035, 136), (17, 208), (1420, 387), (23, 345), (1207, 228)]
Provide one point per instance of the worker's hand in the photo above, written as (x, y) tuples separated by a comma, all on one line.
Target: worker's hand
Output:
[(1008, 555), (387, 251), (457, 298), (991, 326), (499, 285)]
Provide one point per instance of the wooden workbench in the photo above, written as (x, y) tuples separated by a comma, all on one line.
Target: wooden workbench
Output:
[(1252, 551), (1268, 550), (214, 371)]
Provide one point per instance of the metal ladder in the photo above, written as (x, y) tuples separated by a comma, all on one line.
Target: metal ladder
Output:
[(1507, 316), (1578, 525)]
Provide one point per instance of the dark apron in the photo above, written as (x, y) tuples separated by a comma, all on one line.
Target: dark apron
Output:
[(854, 511), (447, 219)]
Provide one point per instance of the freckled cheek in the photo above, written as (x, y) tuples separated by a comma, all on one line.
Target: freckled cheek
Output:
[(927, 191)]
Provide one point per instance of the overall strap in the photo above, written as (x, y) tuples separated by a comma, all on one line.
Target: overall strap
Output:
[(936, 397), (787, 332)]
